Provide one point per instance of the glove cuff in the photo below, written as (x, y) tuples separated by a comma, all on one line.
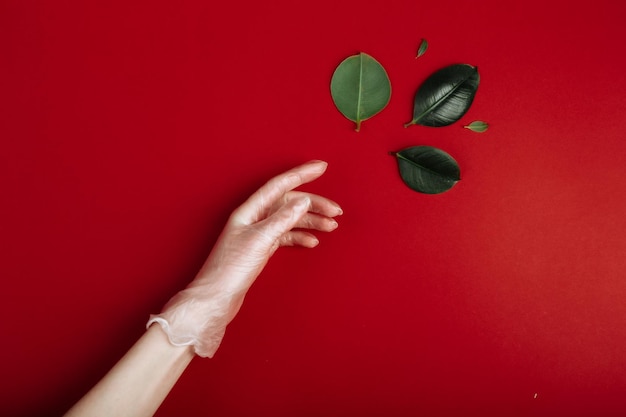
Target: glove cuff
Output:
[(195, 317)]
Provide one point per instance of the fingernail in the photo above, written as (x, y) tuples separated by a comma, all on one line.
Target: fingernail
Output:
[(339, 211), (333, 224), (314, 242)]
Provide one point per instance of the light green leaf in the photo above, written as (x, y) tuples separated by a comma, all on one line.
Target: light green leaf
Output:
[(427, 169), (445, 96), (477, 126), (422, 48), (360, 88)]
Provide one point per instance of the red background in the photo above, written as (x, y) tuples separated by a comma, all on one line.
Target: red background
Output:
[(130, 130)]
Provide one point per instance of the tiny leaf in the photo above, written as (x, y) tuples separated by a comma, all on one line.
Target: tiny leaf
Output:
[(422, 48), (477, 126), (360, 88), (427, 169), (445, 96)]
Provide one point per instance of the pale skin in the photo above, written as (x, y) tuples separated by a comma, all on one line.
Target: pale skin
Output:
[(140, 381), (272, 217)]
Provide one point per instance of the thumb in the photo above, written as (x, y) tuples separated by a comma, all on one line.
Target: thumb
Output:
[(285, 218)]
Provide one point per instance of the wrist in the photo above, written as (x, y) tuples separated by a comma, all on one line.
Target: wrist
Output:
[(197, 316)]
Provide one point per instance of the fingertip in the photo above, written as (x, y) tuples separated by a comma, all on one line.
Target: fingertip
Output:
[(299, 238), (319, 162), (316, 166)]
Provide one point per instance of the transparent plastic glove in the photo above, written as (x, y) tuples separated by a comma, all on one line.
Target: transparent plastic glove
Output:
[(272, 217)]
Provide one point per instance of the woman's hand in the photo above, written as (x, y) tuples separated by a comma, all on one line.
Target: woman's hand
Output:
[(265, 222), (272, 217)]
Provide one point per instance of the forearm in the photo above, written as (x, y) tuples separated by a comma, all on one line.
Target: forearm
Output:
[(195, 319), (140, 381)]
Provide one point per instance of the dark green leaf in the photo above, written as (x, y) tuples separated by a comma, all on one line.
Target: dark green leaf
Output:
[(445, 96), (360, 88), (427, 169), (477, 126), (422, 48)]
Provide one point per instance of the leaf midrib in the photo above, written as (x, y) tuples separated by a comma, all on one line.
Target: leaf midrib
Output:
[(358, 101), (404, 158), (443, 99)]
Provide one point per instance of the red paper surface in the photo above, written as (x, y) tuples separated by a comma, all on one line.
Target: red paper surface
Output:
[(130, 130)]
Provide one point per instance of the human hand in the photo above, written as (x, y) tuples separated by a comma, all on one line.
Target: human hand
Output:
[(276, 215)]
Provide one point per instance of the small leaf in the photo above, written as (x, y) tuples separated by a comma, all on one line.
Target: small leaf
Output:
[(477, 126), (427, 169), (422, 48), (445, 96), (360, 88)]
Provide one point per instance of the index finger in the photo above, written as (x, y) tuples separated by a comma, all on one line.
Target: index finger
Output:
[(259, 204)]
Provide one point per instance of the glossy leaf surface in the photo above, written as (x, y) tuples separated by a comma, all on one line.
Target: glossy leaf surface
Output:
[(477, 126), (360, 88), (427, 169), (445, 96)]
